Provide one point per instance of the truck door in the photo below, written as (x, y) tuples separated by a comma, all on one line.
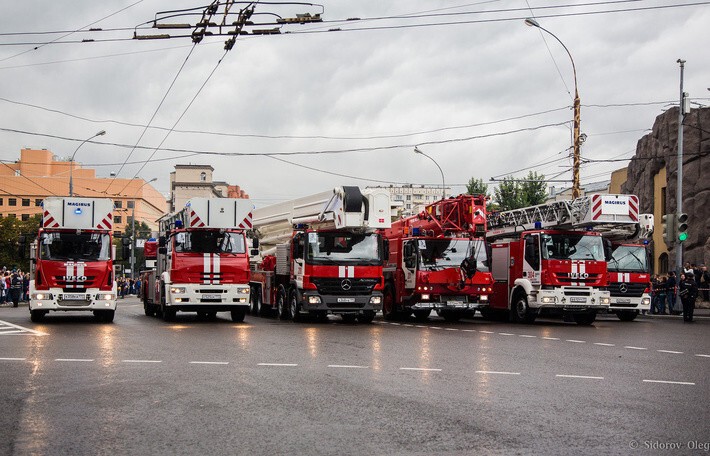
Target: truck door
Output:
[(531, 263), (299, 248), (410, 260), (500, 268)]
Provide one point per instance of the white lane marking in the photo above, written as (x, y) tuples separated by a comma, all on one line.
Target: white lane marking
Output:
[(77, 360), (506, 334), (408, 326), (576, 341), (635, 348), (670, 351), (277, 364), (22, 328), (486, 332), (528, 335), (435, 327), (498, 373), (345, 366), (702, 356), (141, 361), (450, 329), (12, 331), (469, 330), (604, 345), (551, 338), (420, 326), (209, 362), (669, 382), (579, 376), (395, 324), (419, 369), (13, 359)]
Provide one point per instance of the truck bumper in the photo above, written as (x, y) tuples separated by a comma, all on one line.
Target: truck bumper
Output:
[(197, 297), (463, 302), (570, 299), (58, 299), (619, 304), (313, 301)]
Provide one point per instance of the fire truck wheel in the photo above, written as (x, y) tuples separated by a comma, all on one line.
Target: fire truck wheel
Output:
[(281, 309), (168, 314), (348, 318), (238, 315), (627, 315), (37, 315), (104, 316), (256, 302), (585, 318), (422, 314), (388, 305), (148, 309), (294, 306), (366, 316), (520, 312)]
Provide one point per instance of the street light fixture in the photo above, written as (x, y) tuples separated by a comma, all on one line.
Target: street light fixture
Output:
[(576, 140), (443, 183), (133, 228), (71, 161)]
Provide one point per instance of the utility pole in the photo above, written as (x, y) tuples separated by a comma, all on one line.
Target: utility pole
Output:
[(679, 187)]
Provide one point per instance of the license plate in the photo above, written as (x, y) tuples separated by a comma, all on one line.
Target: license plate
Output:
[(74, 296), (346, 299), (576, 299), (455, 303), (623, 301), (212, 296)]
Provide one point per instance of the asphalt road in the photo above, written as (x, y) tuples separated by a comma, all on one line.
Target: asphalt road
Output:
[(141, 386)]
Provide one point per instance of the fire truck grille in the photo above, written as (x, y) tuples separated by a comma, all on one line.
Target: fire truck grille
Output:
[(78, 287), (340, 286), (567, 277), (628, 290)]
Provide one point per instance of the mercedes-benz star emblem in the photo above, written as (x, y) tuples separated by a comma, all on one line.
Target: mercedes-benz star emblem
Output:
[(346, 284), (623, 288)]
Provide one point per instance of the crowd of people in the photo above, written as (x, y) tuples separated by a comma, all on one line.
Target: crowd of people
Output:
[(14, 286), (127, 286), (694, 282)]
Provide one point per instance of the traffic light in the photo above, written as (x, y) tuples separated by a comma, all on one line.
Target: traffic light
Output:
[(682, 227), (668, 228), (125, 247)]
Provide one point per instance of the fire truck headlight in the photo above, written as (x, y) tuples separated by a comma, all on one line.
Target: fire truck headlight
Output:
[(177, 290), (646, 301), (605, 301), (547, 299), (484, 297), (314, 300), (243, 290), (105, 297), (41, 296), (376, 300), (425, 297)]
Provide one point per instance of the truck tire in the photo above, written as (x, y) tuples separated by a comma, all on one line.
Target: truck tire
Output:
[(422, 314), (348, 318), (585, 318), (148, 309), (627, 315), (388, 304), (256, 301), (281, 309), (36, 316), (238, 315), (520, 311), (104, 316), (294, 306), (366, 316)]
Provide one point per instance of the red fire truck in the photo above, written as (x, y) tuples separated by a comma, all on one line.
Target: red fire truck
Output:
[(202, 262), (438, 260), (321, 254), (546, 259), (72, 259)]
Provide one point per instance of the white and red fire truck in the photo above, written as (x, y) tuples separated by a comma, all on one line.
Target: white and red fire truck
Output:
[(547, 259), (629, 268), (202, 261), (321, 254), (438, 260), (72, 259)]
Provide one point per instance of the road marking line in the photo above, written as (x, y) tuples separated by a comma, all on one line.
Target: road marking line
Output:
[(209, 362), (506, 334), (277, 364), (498, 373), (486, 332), (702, 356), (12, 331), (604, 345), (576, 341), (579, 376), (670, 351), (469, 330), (528, 335), (75, 360), (396, 324), (408, 326), (39, 333), (450, 329), (669, 382), (551, 338), (635, 348), (419, 369), (420, 326), (435, 327), (13, 359), (345, 366), (141, 361)]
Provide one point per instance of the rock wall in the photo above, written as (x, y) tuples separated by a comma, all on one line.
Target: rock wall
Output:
[(657, 150)]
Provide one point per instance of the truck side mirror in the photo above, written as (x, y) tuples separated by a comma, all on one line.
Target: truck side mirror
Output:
[(608, 252), (385, 249), (255, 243), (21, 247), (161, 241)]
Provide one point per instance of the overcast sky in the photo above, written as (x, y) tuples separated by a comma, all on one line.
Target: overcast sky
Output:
[(479, 92)]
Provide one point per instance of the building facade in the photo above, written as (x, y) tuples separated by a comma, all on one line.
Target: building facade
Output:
[(191, 181), (39, 174), (411, 199)]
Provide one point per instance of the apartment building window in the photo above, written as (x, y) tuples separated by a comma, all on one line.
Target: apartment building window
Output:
[(38, 202), (12, 201), (116, 219), (1, 201), (12, 215), (118, 204), (203, 176), (117, 234), (25, 201), (130, 204), (25, 217), (409, 197)]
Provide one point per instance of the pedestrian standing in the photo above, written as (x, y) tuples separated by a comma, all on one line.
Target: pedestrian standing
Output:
[(671, 291), (661, 301), (26, 287), (705, 282), (15, 288), (3, 289), (688, 293)]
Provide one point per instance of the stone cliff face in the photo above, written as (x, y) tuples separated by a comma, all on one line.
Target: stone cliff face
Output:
[(657, 150)]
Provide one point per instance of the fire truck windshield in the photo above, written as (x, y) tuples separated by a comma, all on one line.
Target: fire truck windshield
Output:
[(340, 247), (449, 253), (73, 246), (209, 241), (572, 247), (628, 258)]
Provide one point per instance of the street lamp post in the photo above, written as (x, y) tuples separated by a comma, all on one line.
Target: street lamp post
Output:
[(443, 183), (576, 157), (133, 228), (71, 161)]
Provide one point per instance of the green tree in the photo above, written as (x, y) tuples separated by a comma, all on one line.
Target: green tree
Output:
[(516, 193), (507, 195), (143, 231), (477, 187), (10, 231)]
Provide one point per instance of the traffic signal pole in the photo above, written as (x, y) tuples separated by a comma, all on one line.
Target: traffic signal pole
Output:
[(679, 188)]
